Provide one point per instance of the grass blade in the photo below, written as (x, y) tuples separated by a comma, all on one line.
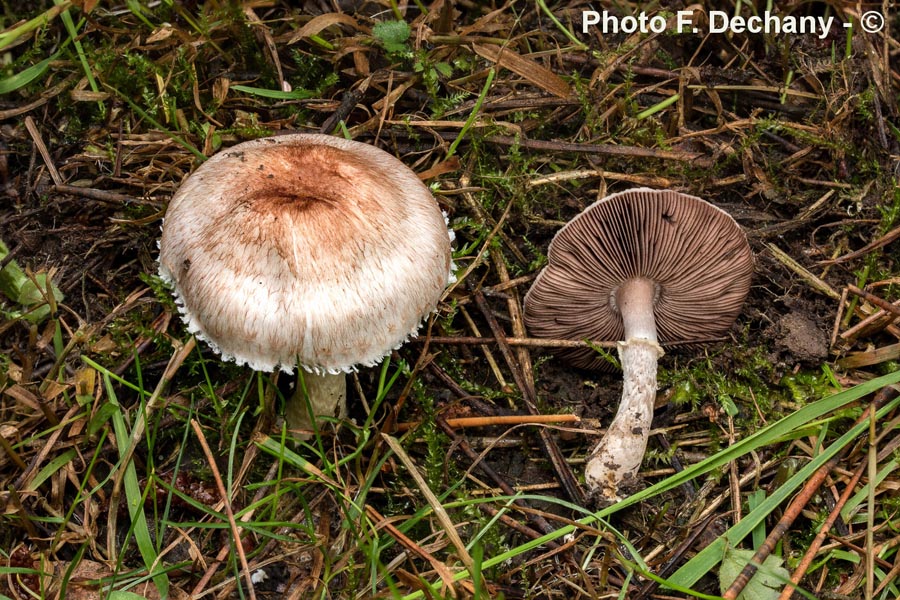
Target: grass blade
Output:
[(135, 498), (23, 78), (709, 557), (777, 431), (274, 94), (9, 37)]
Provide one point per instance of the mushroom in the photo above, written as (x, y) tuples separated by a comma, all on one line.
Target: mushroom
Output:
[(638, 266), (305, 249)]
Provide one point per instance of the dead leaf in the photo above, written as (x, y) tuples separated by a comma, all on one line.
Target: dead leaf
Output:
[(523, 66), (317, 24), (447, 166)]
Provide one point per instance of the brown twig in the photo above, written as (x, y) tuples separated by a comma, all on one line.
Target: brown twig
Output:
[(814, 282), (879, 243), (42, 149), (464, 422), (810, 554), (137, 433), (876, 300), (443, 572), (500, 288), (464, 446), (11, 453), (439, 511), (560, 465), (548, 343), (790, 514), (696, 158), (798, 504), (101, 195), (226, 501)]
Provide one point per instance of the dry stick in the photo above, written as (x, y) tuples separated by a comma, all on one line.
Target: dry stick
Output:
[(500, 288), (872, 324), (479, 257), (463, 445), (517, 321), (93, 194), (439, 511), (515, 525), (255, 21), (19, 509), (449, 382), (42, 148), (813, 549), (197, 592), (488, 355), (226, 500), (556, 458), (11, 453), (382, 523), (548, 343), (888, 579), (650, 180), (814, 282), (27, 476), (137, 433), (790, 514), (879, 243), (838, 317), (859, 549), (697, 158), (799, 502), (872, 464), (463, 422), (733, 478), (876, 300)]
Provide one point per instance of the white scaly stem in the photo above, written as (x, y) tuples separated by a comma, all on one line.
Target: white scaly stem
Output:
[(327, 398), (618, 456)]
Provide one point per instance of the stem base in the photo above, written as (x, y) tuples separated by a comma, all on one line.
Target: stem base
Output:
[(327, 398), (617, 458)]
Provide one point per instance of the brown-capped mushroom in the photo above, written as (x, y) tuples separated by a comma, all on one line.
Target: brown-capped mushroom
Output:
[(638, 266), (305, 249)]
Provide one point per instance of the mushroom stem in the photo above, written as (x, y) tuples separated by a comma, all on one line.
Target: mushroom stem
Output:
[(327, 395), (618, 456), (634, 300)]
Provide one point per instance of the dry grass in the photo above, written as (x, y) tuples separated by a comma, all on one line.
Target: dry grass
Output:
[(133, 462)]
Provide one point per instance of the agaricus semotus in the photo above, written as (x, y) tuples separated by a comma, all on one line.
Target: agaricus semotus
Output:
[(638, 266), (305, 249)]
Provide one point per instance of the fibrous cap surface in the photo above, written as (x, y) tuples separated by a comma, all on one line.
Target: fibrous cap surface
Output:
[(304, 248)]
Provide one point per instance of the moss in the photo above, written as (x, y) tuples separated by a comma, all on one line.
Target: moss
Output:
[(752, 392), (311, 72), (705, 381)]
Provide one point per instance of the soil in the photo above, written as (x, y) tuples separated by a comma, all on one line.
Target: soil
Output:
[(803, 338)]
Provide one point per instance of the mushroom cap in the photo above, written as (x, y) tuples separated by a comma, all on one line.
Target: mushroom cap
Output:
[(695, 252), (304, 248)]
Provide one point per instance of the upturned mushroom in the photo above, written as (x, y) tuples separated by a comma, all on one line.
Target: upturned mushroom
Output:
[(308, 250), (638, 266)]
